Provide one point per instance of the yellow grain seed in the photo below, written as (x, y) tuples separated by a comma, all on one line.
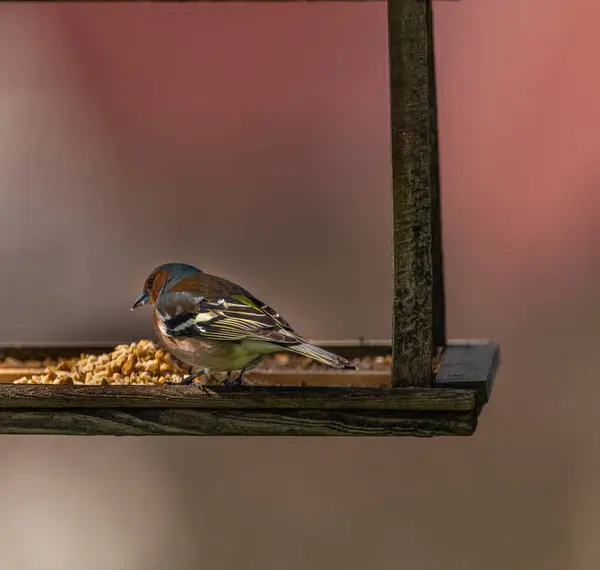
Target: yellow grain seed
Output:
[(120, 361), (128, 366), (67, 380)]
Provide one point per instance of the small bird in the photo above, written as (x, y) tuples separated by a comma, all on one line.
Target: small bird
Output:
[(213, 324)]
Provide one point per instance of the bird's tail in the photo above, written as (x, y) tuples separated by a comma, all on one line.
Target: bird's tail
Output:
[(320, 355)]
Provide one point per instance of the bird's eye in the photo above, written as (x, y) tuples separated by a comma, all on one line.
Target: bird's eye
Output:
[(149, 283)]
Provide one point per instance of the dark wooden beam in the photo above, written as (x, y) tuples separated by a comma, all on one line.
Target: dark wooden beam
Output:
[(419, 311), (242, 398), (470, 364), (178, 421), (462, 386)]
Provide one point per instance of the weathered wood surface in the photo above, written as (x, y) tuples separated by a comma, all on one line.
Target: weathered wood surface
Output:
[(470, 364), (462, 386), (176, 421), (419, 312), (275, 397)]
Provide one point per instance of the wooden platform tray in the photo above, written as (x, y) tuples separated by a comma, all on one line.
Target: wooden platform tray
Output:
[(279, 376), (279, 402)]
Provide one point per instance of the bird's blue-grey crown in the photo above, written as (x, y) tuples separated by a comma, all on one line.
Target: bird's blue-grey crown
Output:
[(176, 272)]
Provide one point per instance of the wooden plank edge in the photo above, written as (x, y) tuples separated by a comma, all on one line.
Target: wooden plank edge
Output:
[(466, 364), (13, 396), (9, 375), (174, 421), (470, 364)]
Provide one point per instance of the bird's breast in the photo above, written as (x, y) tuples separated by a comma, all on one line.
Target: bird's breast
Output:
[(214, 355)]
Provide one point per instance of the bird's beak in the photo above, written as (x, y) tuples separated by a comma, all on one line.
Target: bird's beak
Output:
[(142, 300)]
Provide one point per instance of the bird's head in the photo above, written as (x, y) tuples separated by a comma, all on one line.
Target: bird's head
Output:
[(161, 280)]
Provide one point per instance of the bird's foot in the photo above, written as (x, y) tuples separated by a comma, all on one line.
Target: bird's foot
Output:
[(230, 382), (207, 391), (191, 379)]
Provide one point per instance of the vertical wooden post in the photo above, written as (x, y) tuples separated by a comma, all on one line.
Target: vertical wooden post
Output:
[(419, 328)]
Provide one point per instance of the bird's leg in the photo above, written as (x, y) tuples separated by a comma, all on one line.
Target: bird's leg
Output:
[(230, 382), (238, 381), (189, 380)]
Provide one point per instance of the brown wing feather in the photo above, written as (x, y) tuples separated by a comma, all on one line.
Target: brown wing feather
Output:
[(221, 310), (208, 286)]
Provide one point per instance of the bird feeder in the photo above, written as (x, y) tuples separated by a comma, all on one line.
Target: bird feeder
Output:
[(433, 386)]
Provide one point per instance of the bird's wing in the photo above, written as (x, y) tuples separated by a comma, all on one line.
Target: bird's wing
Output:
[(239, 316)]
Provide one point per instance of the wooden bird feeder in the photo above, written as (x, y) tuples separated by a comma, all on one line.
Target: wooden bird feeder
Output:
[(434, 387)]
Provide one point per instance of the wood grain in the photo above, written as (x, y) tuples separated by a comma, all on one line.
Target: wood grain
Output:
[(249, 397), (419, 311), (174, 421), (9, 375), (470, 364), (462, 386)]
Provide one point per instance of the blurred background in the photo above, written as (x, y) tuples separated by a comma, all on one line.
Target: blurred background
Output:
[(253, 141)]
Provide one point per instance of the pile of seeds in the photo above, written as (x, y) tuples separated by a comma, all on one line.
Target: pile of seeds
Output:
[(136, 363), (144, 362)]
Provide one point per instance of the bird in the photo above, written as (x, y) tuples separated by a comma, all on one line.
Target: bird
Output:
[(215, 325)]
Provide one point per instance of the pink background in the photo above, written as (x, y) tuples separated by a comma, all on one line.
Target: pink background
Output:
[(253, 141)]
